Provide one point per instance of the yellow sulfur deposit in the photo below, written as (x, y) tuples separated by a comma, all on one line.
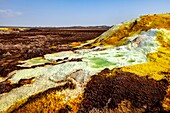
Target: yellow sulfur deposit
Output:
[(120, 32), (12, 29), (159, 62)]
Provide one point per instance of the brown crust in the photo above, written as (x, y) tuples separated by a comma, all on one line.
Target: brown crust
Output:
[(140, 91)]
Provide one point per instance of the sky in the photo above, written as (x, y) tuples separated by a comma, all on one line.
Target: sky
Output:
[(57, 13)]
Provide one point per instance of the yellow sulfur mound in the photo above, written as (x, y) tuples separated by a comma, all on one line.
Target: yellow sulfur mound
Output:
[(117, 34), (159, 62)]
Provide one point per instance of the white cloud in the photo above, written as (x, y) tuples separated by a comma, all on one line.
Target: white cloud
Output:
[(9, 13)]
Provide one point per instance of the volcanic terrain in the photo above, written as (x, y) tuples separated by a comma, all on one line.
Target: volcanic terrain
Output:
[(120, 69)]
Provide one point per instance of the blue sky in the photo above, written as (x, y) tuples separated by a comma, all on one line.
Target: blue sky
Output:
[(76, 12)]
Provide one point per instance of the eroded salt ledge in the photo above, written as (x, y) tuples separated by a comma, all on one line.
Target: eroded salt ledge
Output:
[(93, 61)]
